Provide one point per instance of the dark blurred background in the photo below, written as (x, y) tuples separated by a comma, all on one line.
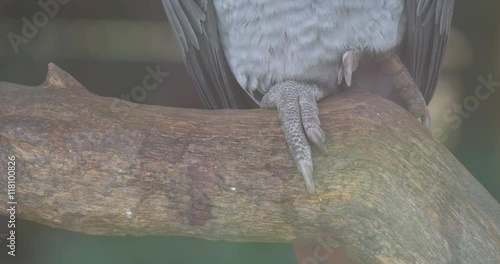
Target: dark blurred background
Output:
[(109, 46)]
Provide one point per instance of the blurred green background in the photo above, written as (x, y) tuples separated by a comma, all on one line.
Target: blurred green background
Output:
[(107, 45)]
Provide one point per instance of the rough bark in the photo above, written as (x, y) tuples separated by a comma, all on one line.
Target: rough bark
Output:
[(386, 193)]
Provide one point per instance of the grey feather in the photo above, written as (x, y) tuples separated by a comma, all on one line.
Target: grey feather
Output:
[(428, 27), (195, 26)]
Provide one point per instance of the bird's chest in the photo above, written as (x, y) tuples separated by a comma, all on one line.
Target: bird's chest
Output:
[(268, 41)]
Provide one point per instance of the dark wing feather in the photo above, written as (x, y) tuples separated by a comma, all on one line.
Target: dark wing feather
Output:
[(428, 27), (195, 24)]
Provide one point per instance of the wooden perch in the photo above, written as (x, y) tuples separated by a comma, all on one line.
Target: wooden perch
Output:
[(386, 193)]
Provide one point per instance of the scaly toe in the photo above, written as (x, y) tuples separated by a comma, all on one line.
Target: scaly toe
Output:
[(298, 112)]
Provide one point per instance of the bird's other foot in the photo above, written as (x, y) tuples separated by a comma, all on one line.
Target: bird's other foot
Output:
[(391, 64), (348, 65), (298, 112)]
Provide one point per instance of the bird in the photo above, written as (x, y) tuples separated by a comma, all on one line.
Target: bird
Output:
[(289, 54)]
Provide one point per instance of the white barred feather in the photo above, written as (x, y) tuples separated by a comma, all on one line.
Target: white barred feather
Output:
[(261, 51)]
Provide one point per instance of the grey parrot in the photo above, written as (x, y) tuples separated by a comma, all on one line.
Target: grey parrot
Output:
[(288, 54)]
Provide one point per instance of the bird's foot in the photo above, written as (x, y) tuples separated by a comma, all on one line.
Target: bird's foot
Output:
[(349, 64), (391, 64), (298, 112)]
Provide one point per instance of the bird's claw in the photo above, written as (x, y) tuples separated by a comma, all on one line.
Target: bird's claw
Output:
[(426, 119), (390, 63), (350, 61), (298, 112), (306, 169), (317, 137)]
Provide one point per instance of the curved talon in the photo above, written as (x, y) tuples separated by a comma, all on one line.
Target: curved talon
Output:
[(350, 61), (307, 172), (426, 119), (318, 138)]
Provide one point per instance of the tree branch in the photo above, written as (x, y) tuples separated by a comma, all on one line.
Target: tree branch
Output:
[(386, 193)]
